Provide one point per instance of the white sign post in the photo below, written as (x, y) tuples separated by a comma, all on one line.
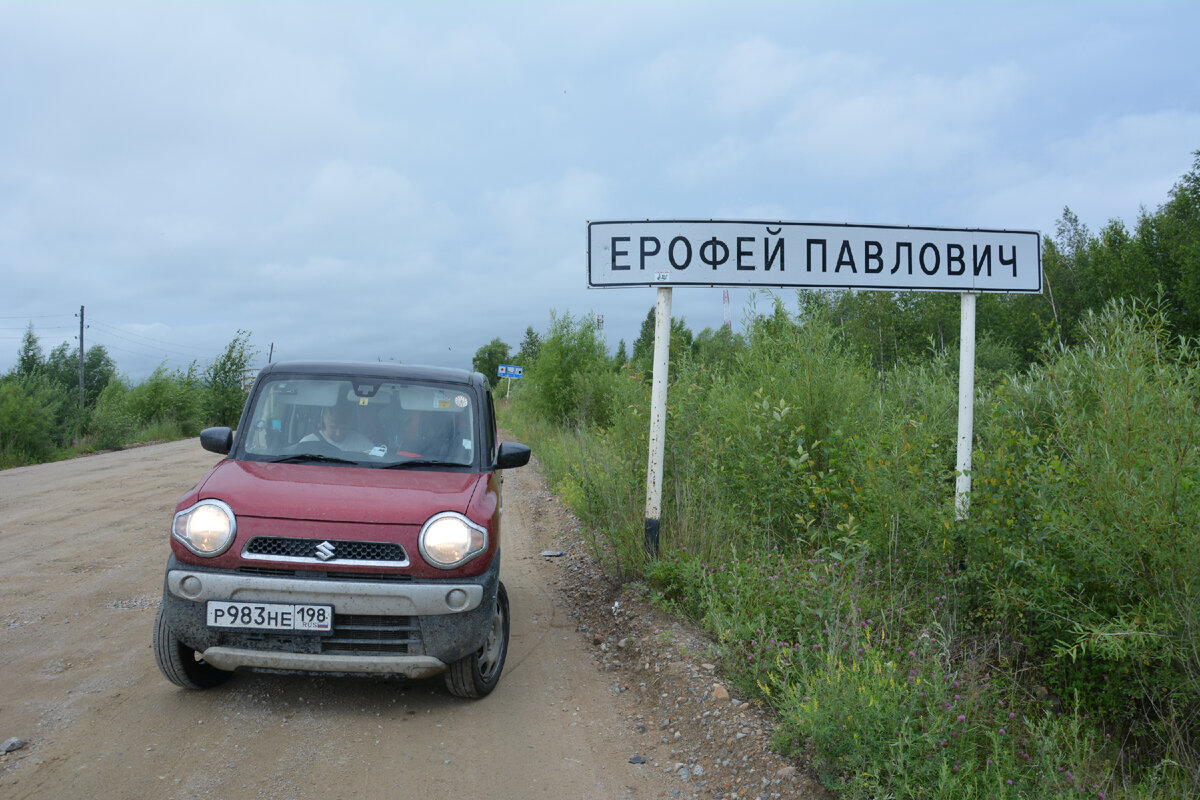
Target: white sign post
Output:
[(966, 406), (658, 417), (669, 253)]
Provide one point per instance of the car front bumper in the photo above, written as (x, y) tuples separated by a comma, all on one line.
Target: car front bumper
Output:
[(231, 658), (381, 627)]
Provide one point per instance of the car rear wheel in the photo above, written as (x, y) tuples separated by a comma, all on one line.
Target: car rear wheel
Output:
[(181, 664), (477, 674)]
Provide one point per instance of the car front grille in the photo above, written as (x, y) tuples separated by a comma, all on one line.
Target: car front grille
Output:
[(364, 634), (324, 551), (353, 635), (308, 574)]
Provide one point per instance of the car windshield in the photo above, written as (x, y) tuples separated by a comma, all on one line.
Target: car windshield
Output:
[(361, 421)]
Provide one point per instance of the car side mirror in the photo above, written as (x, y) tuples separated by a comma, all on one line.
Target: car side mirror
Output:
[(217, 440), (512, 454)]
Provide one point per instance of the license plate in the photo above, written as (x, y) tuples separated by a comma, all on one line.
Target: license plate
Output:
[(270, 616)]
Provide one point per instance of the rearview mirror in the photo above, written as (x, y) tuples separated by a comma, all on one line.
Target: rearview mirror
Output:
[(217, 440), (512, 454)]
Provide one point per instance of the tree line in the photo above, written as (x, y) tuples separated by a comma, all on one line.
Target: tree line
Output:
[(44, 415)]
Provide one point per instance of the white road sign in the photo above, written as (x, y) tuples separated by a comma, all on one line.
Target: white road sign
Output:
[(802, 254)]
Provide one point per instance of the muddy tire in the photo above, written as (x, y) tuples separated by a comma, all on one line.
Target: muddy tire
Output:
[(180, 664), (476, 675)]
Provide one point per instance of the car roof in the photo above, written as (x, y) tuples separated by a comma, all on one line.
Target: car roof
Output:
[(374, 369)]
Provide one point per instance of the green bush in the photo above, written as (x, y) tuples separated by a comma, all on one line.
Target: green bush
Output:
[(171, 398), (112, 425), (751, 453), (225, 382), (1085, 538), (571, 382), (28, 419), (808, 522)]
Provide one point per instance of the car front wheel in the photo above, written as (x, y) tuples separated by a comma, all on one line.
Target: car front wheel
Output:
[(477, 674), (181, 664)]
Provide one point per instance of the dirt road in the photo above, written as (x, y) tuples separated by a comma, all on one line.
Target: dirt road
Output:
[(82, 549)]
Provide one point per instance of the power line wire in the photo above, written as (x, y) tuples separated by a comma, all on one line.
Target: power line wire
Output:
[(107, 336), (36, 330), (138, 348), (121, 349), (133, 337)]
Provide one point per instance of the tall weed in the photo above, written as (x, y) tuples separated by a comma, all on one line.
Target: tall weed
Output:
[(757, 451), (175, 399), (1087, 536), (571, 382), (808, 522), (28, 406)]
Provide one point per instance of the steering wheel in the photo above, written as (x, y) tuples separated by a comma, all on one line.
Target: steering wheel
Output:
[(317, 447)]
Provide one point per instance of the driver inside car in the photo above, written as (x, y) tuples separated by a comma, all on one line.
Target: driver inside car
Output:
[(337, 428)]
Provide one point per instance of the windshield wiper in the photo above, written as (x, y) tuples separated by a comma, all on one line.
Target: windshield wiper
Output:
[(297, 457), (420, 462)]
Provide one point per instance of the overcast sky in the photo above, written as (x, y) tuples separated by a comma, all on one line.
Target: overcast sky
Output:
[(407, 181)]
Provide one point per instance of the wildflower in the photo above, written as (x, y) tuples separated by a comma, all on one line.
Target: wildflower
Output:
[(962, 717), (1002, 731)]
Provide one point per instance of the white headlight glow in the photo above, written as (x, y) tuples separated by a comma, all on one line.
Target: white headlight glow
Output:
[(449, 540), (206, 529)]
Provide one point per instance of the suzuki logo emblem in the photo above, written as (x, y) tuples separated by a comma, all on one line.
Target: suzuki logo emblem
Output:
[(325, 551)]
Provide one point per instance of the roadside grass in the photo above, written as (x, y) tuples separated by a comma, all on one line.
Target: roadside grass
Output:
[(1043, 648), (157, 431), (883, 690)]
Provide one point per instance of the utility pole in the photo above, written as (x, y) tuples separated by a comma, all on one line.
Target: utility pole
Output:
[(81, 351)]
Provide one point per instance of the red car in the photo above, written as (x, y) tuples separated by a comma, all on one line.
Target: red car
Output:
[(354, 528)]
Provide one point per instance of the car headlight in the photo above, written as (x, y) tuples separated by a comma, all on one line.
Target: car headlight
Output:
[(449, 540), (207, 528)]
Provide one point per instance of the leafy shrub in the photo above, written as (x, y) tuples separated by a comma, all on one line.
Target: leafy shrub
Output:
[(225, 381), (751, 453), (809, 518), (112, 425), (571, 382), (1087, 536), (28, 407), (174, 398), (875, 682)]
